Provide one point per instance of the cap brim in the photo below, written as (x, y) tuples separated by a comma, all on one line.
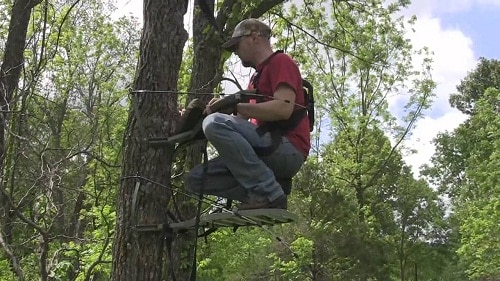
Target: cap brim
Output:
[(231, 43)]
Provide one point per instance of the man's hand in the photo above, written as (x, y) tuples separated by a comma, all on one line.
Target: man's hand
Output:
[(223, 105), (228, 104), (208, 109)]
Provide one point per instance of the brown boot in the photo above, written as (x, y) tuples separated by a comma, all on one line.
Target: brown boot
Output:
[(278, 203)]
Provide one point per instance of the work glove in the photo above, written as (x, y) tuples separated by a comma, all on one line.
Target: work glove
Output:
[(228, 103)]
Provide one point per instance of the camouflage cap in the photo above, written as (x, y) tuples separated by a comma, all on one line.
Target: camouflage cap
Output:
[(245, 28)]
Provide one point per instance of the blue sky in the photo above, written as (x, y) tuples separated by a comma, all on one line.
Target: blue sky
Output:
[(481, 24), (458, 32)]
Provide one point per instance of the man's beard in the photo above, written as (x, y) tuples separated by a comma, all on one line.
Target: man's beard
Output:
[(246, 63)]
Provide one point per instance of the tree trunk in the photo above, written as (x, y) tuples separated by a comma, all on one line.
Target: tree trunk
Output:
[(12, 64), (206, 74), (138, 255), (10, 71), (402, 254)]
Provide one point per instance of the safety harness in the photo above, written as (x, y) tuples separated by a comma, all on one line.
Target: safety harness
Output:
[(277, 129)]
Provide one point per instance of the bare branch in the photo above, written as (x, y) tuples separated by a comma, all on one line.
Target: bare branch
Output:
[(16, 267)]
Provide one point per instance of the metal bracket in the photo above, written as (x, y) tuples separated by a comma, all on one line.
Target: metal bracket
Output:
[(150, 227)]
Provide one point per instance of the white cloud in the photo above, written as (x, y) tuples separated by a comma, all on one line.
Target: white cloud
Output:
[(427, 129), (433, 7), (490, 2), (453, 57)]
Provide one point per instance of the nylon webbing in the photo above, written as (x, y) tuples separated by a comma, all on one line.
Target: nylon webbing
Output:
[(198, 214)]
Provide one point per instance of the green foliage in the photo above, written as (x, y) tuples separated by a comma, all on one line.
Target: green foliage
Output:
[(235, 256), (64, 153), (359, 59), (295, 269), (398, 226), (465, 167), (5, 273), (354, 196), (418, 213), (480, 199), (5, 7), (475, 84)]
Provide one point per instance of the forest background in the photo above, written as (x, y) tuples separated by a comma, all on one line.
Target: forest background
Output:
[(74, 147)]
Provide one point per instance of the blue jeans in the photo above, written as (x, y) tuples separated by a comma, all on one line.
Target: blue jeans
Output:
[(238, 173)]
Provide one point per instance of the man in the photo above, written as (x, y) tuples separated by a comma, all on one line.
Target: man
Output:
[(239, 173)]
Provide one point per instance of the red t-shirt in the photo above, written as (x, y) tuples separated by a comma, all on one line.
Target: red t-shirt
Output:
[(280, 68)]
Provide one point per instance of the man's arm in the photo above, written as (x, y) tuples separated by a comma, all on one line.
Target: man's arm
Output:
[(279, 108)]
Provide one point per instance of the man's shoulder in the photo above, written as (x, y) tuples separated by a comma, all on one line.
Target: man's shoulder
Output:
[(283, 59)]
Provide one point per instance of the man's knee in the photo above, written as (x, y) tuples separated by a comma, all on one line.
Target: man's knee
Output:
[(209, 129), (214, 123)]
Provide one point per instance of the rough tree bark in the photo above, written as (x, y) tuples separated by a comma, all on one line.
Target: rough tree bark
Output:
[(138, 255), (10, 72)]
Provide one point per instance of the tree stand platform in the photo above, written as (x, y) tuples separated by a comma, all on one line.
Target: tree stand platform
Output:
[(257, 217)]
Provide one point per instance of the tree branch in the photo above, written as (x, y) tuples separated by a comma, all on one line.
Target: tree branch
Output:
[(16, 267)]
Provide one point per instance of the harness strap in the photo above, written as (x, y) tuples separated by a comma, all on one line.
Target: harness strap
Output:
[(277, 130), (276, 137), (169, 240), (198, 215)]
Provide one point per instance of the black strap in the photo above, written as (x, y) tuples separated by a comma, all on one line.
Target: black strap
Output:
[(276, 128), (309, 101), (169, 239), (283, 125), (276, 137), (198, 214)]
